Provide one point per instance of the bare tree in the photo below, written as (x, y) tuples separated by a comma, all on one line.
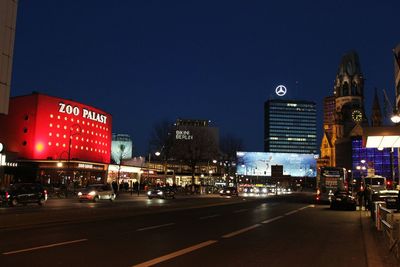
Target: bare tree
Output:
[(229, 145), (162, 137)]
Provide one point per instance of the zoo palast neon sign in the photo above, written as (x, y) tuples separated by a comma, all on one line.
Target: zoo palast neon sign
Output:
[(85, 113)]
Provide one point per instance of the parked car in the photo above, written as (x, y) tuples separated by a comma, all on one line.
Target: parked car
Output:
[(373, 186), (390, 197), (95, 192), (229, 191), (161, 192), (24, 193), (343, 199)]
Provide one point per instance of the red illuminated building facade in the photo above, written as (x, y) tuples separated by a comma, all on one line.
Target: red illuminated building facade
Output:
[(62, 139)]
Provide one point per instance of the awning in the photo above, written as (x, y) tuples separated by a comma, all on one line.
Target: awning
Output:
[(382, 137)]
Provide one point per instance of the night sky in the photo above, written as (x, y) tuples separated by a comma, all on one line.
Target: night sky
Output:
[(149, 61)]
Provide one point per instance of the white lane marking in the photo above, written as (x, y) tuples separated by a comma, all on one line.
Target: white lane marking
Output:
[(154, 227), (300, 209), (209, 217), (241, 231), (291, 212), (175, 254), (273, 219), (46, 246), (239, 211)]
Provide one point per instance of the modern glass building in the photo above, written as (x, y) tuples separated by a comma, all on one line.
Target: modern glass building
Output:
[(368, 158), (290, 126)]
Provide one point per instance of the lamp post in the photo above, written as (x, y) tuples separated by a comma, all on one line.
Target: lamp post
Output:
[(140, 176), (148, 167), (78, 131)]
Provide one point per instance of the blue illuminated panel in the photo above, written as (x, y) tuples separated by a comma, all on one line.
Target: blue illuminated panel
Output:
[(379, 160)]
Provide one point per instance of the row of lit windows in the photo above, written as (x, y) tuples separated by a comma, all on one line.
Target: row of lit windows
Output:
[(292, 111), (286, 109), (81, 121), (81, 147), (79, 138), (292, 115), (292, 104), (301, 151), (291, 139), (291, 119), (58, 126), (285, 136), (293, 143), (292, 129), (289, 124)]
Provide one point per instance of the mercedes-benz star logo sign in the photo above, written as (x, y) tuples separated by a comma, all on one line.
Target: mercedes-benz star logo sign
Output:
[(280, 90)]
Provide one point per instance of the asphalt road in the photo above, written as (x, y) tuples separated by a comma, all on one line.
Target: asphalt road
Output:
[(205, 231)]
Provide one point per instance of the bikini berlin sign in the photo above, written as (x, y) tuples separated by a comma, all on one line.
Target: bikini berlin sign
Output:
[(280, 90)]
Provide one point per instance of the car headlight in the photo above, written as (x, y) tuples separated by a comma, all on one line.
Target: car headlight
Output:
[(160, 193), (264, 190), (80, 194), (228, 191), (92, 193), (148, 193), (221, 192)]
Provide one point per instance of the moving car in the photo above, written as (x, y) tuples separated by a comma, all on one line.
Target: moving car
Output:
[(229, 191), (161, 192), (24, 193), (343, 199), (261, 190), (248, 190), (95, 192)]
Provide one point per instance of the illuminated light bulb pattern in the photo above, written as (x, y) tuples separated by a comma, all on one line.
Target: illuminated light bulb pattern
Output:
[(89, 139)]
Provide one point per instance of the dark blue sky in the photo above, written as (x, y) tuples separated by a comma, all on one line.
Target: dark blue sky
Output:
[(146, 61)]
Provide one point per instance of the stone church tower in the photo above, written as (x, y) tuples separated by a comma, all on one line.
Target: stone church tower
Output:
[(376, 117), (347, 118)]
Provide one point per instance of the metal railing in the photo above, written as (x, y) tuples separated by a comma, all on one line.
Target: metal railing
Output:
[(387, 222)]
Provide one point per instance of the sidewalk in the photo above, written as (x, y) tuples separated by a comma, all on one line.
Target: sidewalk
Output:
[(376, 248)]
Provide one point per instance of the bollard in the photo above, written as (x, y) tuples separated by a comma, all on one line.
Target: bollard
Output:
[(377, 214)]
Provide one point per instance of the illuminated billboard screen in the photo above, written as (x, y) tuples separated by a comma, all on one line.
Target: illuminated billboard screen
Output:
[(121, 150), (259, 163), (46, 127)]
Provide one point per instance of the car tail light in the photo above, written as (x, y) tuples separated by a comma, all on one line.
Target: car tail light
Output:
[(45, 192), (7, 195)]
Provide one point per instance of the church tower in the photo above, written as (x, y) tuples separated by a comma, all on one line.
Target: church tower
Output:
[(348, 115), (349, 96), (376, 117)]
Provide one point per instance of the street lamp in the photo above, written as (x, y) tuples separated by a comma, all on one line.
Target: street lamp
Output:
[(78, 131)]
